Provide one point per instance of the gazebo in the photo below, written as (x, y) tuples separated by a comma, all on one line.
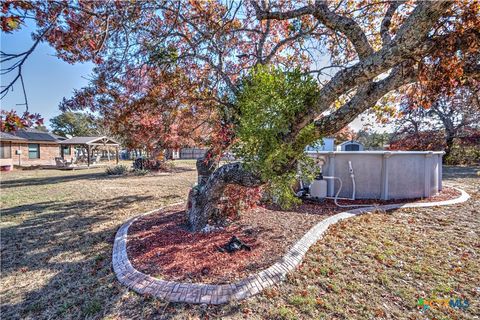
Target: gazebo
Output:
[(90, 143)]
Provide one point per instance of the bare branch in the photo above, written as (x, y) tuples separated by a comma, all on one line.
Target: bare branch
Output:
[(18, 65), (288, 40)]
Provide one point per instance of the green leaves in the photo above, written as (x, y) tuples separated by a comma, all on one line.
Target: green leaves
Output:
[(163, 56), (269, 102), (74, 124)]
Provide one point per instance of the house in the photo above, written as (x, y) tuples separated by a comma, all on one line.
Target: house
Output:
[(31, 147), (6, 141)]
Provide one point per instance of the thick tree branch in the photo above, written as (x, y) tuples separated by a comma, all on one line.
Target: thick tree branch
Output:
[(204, 199), (281, 15), (387, 19), (331, 20), (365, 98), (405, 46), (232, 173), (345, 25)]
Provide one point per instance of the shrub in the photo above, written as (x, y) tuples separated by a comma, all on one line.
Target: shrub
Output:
[(140, 172), (464, 153), (152, 165), (117, 170), (269, 101)]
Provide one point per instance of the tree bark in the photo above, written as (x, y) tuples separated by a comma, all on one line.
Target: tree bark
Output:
[(448, 145), (450, 134), (203, 198), (446, 117)]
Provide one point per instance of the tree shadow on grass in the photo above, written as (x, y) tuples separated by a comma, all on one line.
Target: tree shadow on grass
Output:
[(51, 180), (181, 168), (56, 262), (458, 172)]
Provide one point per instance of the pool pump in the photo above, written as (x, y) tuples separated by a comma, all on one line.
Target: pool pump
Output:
[(318, 188)]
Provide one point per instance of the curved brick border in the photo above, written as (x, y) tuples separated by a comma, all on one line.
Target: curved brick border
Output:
[(218, 294)]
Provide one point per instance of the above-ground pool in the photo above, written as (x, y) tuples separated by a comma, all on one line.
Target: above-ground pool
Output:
[(383, 174)]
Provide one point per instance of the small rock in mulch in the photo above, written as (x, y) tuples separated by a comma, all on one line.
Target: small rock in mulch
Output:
[(208, 228), (234, 245)]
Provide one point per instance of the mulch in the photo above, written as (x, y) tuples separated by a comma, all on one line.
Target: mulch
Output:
[(160, 245)]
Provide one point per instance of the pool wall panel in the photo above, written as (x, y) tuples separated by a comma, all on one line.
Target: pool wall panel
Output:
[(384, 174)]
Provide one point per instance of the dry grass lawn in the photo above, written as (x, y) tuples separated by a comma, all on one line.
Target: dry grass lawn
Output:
[(57, 230)]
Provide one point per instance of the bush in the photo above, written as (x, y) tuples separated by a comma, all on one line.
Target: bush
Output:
[(465, 150), (463, 155), (117, 170), (269, 101), (152, 165), (140, 172)]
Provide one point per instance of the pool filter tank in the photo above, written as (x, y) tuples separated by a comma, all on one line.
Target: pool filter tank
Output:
[(318, 188)]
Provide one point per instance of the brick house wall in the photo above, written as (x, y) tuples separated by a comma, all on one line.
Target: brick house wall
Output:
[(48, 153)]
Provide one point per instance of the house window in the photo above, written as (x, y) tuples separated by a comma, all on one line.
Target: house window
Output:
[(33, 151), (352, 147), (5, 150)]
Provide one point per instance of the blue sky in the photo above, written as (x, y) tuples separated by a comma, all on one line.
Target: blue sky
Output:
[(47, 78)]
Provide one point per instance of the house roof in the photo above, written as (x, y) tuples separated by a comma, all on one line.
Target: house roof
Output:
[(90, 141), (31, 134), (9, 137), (349, 142), (58, 137)]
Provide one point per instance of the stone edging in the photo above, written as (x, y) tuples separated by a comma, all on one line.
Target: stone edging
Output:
[(218, 294)]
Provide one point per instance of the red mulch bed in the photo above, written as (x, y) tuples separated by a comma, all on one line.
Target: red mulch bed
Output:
[(160, 245)]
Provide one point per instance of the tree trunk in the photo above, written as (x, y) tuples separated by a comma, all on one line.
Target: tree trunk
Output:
[(450, 133), (203, 198), (448, 144), (168, 154), (200, 208)]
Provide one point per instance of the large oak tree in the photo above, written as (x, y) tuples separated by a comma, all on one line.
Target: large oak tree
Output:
[(375, 48)]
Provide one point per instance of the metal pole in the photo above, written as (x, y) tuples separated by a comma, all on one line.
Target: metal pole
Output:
[(88, 155)]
